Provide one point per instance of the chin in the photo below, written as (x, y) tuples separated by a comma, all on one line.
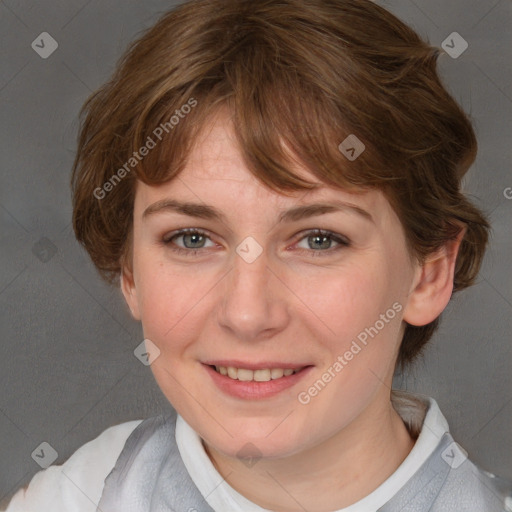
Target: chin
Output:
[(254, 440)]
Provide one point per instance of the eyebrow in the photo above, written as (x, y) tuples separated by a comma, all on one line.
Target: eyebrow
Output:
[(294, 214)]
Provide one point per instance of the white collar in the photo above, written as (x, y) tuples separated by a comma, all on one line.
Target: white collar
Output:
[(420, 413)]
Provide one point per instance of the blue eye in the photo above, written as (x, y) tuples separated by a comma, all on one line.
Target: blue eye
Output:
[(319, 238), (194, 242), (191, 237)]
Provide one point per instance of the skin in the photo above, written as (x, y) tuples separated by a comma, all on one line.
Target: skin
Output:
[(286, 305)]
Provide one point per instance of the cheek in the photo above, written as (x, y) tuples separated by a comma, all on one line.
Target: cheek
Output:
[(354, 308), (169, 298), (345, 300)]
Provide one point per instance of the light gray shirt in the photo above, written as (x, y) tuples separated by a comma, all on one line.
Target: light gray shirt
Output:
[(151, 475)]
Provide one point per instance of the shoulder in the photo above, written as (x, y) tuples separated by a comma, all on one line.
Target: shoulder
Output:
[(458, 484), (77, 484), (441, 476), (470, 488)]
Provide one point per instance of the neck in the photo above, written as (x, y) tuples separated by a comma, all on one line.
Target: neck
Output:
[(332, 475)]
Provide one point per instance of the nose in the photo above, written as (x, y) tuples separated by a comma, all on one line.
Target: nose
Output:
[(255, 300)]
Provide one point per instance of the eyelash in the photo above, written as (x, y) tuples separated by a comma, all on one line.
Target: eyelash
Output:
[(343, 242)]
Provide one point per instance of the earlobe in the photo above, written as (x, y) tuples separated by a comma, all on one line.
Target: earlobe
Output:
[(433, 284), (129, 292)]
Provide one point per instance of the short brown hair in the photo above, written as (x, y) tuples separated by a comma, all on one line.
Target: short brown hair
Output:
[(301, 74)]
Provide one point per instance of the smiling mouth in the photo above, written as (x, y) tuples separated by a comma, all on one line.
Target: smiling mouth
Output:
[(261, 375)]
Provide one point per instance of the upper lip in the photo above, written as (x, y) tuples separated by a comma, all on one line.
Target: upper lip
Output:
[(255, 366)]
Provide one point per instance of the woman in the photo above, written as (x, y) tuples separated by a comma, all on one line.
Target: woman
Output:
[(275, 186)]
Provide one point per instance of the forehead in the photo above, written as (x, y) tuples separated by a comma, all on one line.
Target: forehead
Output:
[(216, 173)]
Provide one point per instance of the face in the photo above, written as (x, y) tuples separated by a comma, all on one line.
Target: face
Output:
[(321, 291)]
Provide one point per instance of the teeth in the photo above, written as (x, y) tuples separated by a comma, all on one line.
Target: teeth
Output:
[(260, 375), (276, 373), (263, 375), (243, 374)]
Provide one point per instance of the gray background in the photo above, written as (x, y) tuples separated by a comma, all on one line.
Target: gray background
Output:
[(67, 369)]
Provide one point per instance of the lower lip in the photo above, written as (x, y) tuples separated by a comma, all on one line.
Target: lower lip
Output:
[(252, 389)]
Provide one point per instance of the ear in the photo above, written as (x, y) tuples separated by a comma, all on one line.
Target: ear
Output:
[(130, 292), (433, 284)]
